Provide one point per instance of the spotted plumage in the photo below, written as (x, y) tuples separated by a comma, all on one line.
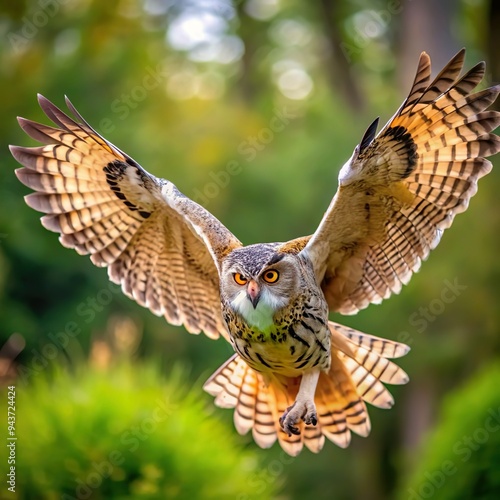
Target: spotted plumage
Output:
[(295, 377)]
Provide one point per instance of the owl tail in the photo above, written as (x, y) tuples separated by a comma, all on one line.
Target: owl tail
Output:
[(359, 367)]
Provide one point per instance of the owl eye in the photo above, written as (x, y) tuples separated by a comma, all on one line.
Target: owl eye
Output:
[(271, 276), (240, 279)]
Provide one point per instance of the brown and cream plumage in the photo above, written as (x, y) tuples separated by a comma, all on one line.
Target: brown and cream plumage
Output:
[(296, 377)]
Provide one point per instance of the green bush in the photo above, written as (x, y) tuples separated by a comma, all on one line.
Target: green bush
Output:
[(461, 459), (124, 433)]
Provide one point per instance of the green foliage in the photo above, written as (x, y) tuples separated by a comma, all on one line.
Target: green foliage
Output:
[(461, 458), (126, 432)]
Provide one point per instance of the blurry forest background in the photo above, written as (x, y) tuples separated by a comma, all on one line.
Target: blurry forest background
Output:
[(250, 107)]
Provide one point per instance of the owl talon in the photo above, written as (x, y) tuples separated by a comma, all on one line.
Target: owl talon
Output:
[(305, 411), (288, 421), (311, 419)]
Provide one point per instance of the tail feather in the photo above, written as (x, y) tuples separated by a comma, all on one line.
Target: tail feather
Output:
[(314, 438), (281, 397), (264, 427), (378, 367), (360, 366), (369, 387), (244, 411), (331, 404), (220, 385)]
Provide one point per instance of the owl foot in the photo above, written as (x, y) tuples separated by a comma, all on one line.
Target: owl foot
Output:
[(303, 408), (300, 410)]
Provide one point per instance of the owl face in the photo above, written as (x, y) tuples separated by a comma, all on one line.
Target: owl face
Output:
[(257, 282)]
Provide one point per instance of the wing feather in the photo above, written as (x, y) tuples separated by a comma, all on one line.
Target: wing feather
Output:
[(398, 193), (160, 246)]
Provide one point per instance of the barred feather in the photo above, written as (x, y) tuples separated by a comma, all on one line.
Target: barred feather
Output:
[(359, 368), (148, 234), (398, 193)]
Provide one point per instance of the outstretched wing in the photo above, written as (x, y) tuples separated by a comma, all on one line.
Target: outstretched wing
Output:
[(400, 190), (161, 247)]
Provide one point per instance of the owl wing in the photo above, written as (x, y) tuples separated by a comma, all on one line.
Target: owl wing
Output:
[(161, 247), (402, 188)]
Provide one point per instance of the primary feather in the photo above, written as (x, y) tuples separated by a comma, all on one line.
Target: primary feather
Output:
[(142, 228), (398, 193)]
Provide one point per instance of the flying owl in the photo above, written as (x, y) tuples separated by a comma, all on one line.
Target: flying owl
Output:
[(295, 377)]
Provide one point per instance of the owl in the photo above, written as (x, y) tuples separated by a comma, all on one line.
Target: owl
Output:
[(295, 376)]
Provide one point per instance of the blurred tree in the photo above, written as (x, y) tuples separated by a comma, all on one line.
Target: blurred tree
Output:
[(425, 26), (339, 68), (493, 43)]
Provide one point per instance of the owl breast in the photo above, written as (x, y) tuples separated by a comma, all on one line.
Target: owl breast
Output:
[(298, 339)]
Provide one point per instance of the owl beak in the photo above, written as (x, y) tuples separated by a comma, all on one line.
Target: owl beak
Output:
[(253, 292)]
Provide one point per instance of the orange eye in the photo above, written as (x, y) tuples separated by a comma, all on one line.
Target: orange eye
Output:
[(271, 276), (240, 279)]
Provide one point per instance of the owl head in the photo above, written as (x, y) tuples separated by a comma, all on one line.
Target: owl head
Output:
[(257, 281)]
